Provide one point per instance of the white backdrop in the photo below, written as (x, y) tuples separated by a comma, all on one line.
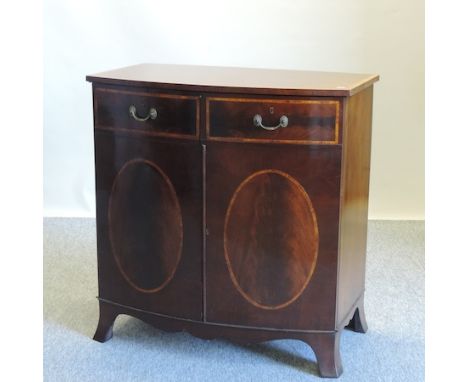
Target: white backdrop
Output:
[(385, 37)]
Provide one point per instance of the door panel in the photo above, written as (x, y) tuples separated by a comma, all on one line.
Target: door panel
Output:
[(272, 218), (149, 209)]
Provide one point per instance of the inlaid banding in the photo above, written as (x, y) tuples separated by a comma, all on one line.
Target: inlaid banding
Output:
[(145, 225), (270, 239)]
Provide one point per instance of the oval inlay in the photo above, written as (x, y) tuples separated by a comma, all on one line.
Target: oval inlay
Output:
[(145, 225), (270, 239)]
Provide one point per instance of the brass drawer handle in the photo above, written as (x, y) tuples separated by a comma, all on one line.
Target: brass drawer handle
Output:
[(152, 114), (257, 120)]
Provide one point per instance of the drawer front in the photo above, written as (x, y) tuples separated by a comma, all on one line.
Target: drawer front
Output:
[(153, 113), (314, 121)]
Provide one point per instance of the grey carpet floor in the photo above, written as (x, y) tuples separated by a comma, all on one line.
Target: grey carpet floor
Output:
[(392, 349)]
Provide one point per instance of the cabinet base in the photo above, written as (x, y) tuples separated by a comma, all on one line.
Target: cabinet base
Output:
[(325, 344)]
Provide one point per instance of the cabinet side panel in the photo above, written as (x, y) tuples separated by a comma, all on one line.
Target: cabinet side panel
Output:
[(354, 201)]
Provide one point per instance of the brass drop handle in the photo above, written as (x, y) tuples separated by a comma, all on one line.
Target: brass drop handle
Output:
[(152, 114), (257, 121)]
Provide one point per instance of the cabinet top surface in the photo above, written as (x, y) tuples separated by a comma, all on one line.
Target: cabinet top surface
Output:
[(237, 80)]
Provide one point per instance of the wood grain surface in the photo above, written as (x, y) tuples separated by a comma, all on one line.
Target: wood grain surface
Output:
[(265, 222), (177, 115), (309, 121), (354, 201), (149, 219), (145, 225), (237, 80), (270, 238)]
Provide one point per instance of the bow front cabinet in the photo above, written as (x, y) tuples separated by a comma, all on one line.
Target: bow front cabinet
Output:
[(232, 203)]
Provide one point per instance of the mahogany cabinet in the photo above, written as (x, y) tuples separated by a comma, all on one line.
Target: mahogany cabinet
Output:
[(233, 202)]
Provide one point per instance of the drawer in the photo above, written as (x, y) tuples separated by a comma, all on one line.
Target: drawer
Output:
[(147, 112), (273, 120)]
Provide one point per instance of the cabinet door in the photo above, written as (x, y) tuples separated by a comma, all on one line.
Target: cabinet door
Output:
[(272, 220), (149, 223)]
